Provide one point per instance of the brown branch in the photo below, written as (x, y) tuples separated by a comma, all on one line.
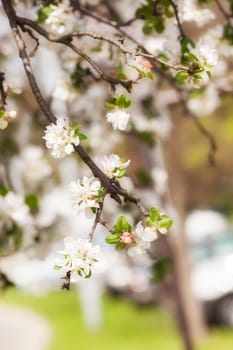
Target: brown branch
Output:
[(3, 94), (66, 283), (111, 185), (67, 41), (224, 12)]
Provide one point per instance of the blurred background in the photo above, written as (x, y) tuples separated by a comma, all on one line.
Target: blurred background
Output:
[(178, 295)]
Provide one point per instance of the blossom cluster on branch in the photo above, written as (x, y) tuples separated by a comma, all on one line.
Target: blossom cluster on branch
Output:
[(119, 72)]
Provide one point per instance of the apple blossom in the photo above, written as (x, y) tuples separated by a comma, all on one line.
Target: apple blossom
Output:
[(61, 138), (60, 20), (79, 258), (119, 118), (112, 166), (189, 10), (85, 194), (6, 117)]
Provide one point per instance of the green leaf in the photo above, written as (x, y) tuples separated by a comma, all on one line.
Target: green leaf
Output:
[(89, 274), (122, 225), (31, 200), (154, 214), (195, 93), (110, 104), (2, 113), (3, 191), (182, 76), (159, 25), (78, 75), (165, 222), (146, 137), (56, 267), (100, 195), (197, 76), (82, 137), (228, 33), (144, 177), (119, 102), (160, 269), (121, 74), (43, 13), (120, 246), (120, 173), (145, 10), (122, 101), (186, 44), (148, 27), (113, 238)]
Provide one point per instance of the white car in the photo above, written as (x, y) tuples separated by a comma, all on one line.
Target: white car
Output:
[(212, 276)]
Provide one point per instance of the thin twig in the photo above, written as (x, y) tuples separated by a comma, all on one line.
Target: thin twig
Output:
[(67, 41), (176, 13), (111, 185), (97, 220)]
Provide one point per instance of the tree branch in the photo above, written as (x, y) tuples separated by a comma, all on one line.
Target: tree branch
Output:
[(3, 94), (111, 185)]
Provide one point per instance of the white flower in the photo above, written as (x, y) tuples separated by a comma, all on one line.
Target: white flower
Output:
[(83, 193), (143, 236), (6, 117), (138, 248), (206, 103), (112, 165), (35, 167), (13, 210), (61, 20), (146, 234), (207, 55), (119, 118), (78, 257), (189, 11), (60, 137)]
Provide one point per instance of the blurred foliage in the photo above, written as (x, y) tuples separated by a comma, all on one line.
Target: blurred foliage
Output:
[(160, 269)]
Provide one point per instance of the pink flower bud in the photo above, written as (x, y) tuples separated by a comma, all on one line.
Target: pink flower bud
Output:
[(126, 237)]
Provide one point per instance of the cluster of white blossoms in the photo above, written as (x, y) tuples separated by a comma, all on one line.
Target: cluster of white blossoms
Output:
[(112, 166), (79, 258), (60, 20), (86, 194), (61, 138), (13, 210), (119, 118), (6, 117), (208, 58), (189, 10), (137, 240)]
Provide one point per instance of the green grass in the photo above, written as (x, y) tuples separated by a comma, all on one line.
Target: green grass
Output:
[(126, 327)]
